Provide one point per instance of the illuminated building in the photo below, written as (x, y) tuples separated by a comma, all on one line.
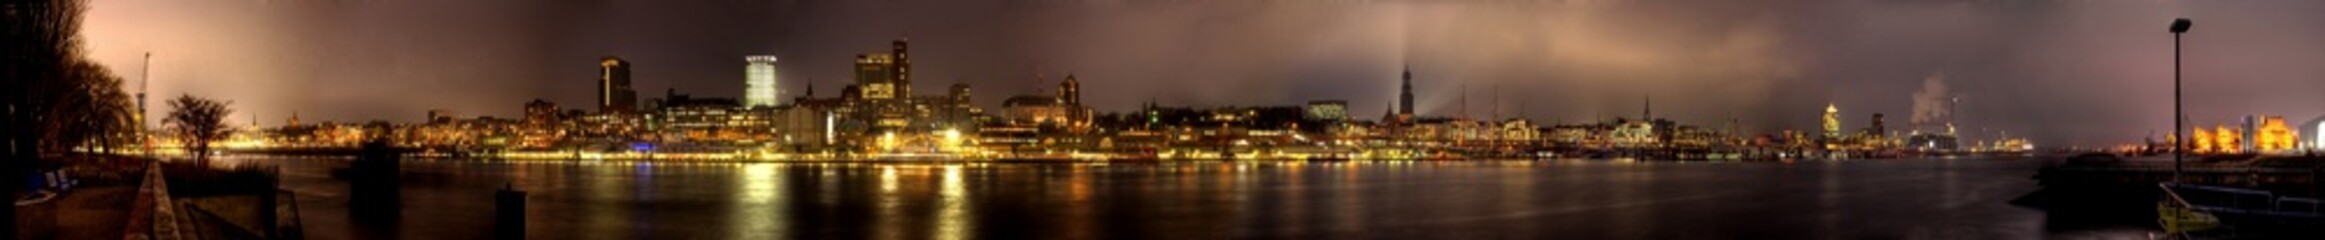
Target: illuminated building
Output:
[(885, 75), (1933, 142), (759, 86), (1035, 110), (873, 76), (1518, 130), (688, 112), (1328, 111), (808, 124), (2201, 141), (540, 113), (2271, 135), (1061, 110), (957, 110), (877, 112), (2227, 140), (613, 86), (1832, 121), (1635, 134), (542, 125)]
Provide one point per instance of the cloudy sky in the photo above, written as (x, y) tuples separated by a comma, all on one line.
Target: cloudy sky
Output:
[(2082, 72)]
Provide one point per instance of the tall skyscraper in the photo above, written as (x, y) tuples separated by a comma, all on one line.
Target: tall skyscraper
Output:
[(885, 75), (903, 68), (875, 76), (1405, 99), (613, 86), (759, 82)]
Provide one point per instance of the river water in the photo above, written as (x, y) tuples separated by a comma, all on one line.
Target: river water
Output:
[(1585, 199)]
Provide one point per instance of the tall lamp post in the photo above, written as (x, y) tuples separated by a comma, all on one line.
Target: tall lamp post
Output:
[(2179, 27)]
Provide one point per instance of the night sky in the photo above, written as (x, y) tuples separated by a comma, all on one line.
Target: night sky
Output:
[(2058, 72)]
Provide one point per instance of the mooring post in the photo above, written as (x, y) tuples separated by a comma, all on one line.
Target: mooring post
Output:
[(509, 212)]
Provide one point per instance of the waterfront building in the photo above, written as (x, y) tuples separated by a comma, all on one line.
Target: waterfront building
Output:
[(540, 113), (2227, 139), (2271, 135), (885, 75), (1062, 110), (1332, 111), (875, 76), (613, 86), (877, 113), (808, 124), (759, 86), (689, 118)]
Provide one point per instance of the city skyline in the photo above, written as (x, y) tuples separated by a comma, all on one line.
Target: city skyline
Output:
[(2058, 73)]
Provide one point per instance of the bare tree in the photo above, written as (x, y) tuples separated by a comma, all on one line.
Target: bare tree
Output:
[(199, 121), (37, 38), (87, 110)]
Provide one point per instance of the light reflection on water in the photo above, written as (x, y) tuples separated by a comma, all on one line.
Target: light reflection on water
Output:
[(450, 199)]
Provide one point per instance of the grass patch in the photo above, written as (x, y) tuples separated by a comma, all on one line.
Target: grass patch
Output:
[(187, 179)]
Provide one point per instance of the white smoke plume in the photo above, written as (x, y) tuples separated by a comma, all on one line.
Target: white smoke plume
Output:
[(1932, 104)]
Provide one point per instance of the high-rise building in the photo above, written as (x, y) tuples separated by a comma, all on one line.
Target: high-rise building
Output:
[(759, 82), (1070, 91), (885, 75), (1832, 121), (875, 76), (1405, 97), (903, 68), (613, 86)]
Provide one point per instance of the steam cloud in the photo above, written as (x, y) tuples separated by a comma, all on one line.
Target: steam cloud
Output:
[(1932, 105)]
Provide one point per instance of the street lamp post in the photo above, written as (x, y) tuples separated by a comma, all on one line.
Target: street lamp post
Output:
[(2179, 27)]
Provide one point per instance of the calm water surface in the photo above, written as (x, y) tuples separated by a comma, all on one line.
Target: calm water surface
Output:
[(1588, 199)]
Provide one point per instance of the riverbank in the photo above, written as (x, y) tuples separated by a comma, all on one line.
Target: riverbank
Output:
[(124, 197)]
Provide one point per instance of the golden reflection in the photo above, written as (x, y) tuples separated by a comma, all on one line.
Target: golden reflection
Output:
[(952, 213), (763, 206), (890, 220), (887, 180)]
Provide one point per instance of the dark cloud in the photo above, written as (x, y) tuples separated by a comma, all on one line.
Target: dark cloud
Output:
[(2062, 72)]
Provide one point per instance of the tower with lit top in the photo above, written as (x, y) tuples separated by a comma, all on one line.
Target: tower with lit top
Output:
[(1832, 121), (759, 87), (613, 86)]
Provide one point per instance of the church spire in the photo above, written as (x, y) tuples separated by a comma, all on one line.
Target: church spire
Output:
[(1405, 98), (1648, 111)]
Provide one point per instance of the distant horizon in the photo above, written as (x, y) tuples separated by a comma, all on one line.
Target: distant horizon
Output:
[(2058, 73)]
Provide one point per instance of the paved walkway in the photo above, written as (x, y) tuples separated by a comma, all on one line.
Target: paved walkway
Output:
[(96, 212)]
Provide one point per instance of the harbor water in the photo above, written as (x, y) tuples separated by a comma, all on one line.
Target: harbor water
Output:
[(1476, 199)]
